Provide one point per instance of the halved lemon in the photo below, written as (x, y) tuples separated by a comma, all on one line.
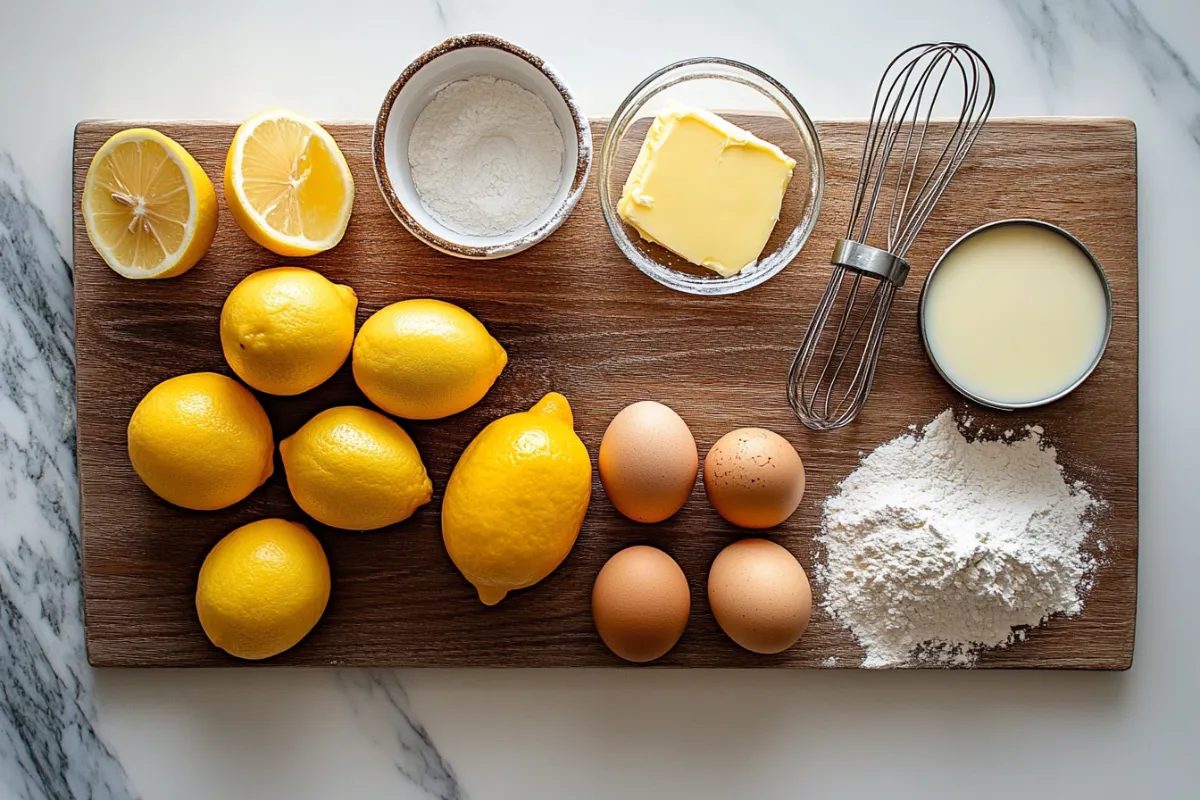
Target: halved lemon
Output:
[(287, 183), (149, 209)]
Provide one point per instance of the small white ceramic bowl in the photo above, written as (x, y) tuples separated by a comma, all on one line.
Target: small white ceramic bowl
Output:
[(458, 58)]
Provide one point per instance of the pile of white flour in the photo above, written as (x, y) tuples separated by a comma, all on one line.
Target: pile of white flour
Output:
[(486, 156), (937, 548)]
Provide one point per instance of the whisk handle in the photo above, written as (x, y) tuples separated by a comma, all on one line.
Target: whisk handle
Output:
[(871, 261)]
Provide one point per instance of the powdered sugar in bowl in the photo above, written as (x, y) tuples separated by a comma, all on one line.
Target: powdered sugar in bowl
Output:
[(480, 149)]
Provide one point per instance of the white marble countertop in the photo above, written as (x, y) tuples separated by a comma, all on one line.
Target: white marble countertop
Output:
[(69, 731)]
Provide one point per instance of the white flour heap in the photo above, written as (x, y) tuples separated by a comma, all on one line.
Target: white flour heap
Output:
[(486, 156), (937, 547)]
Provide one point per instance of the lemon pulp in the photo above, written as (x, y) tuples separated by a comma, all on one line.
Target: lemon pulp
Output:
[(287, 183), (149, 209)]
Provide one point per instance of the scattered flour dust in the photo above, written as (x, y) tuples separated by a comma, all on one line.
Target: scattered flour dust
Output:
[(937, 547)]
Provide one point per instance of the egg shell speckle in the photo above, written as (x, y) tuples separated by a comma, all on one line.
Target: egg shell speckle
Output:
[(754, 478)]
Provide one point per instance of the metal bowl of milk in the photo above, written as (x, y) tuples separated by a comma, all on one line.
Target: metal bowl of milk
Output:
[(1016, 314)]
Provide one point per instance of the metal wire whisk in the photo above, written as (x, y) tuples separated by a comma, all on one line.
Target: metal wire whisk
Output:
[(905, 169)]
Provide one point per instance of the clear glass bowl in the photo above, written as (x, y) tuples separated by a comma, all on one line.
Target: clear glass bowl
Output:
[(748, 98)]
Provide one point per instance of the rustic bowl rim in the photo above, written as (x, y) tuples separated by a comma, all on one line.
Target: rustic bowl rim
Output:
[(506, 247)]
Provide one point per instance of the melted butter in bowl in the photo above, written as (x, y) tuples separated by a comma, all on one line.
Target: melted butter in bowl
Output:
[(1016, 314)]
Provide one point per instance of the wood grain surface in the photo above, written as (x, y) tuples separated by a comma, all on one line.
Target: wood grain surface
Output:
[(577, 318)]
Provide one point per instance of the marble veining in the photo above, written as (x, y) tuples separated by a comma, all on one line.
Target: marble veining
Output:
[(51, 742), (440, 11), (1039, 27), (384, 715), (1112, 23), (51, 747)]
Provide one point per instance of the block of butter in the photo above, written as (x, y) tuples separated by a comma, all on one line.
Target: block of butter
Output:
[(705, 189)]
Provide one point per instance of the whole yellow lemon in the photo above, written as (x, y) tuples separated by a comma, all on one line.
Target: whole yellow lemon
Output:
[(517, 498), (287, 330), (201, 441), (262, 588), (352, 468), (425, 359)]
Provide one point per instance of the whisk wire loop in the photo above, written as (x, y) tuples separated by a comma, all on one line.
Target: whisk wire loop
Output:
[(905, 168)]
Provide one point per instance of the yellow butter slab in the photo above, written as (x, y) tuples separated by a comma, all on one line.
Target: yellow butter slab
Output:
[(705, 189)]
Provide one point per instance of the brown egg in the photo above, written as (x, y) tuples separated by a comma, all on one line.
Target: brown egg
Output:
[(760, 595), (640, 603), (648, 462), (754, 478)]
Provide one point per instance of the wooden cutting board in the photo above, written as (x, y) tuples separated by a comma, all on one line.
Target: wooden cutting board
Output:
[(577, 318)]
